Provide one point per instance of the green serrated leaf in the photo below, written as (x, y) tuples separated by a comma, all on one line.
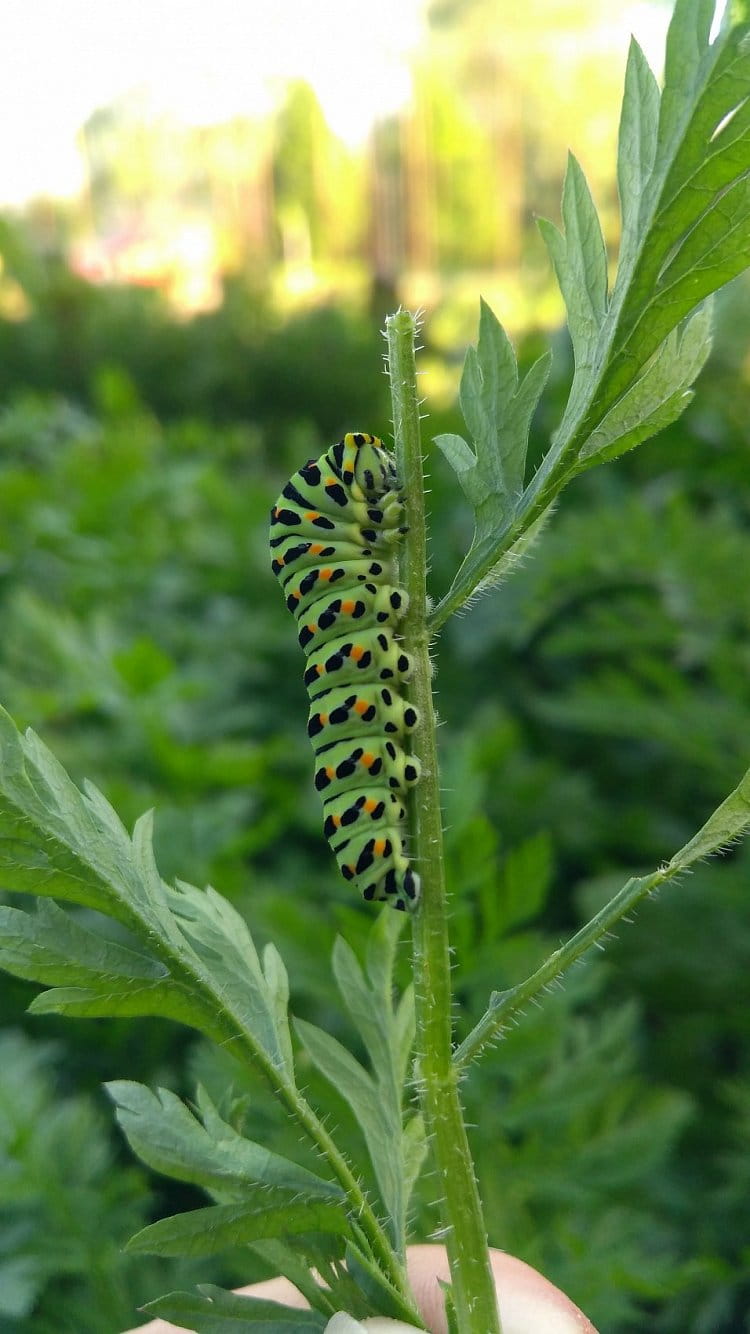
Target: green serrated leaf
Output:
[(696, 210), (583, 275), (371, 1012), (463, 461), (168, 1137), (388, 1036), (687, 46), (639, 123), (116, 999), (380, 951), (381, 1298), (498, 412), (213, 979), (684, 177), (49, 945), (220, 938), (358, 999), (300, 1263), (457, 453), (730, 821), (50, 834), (214, 1311), (714, 149), (657, 398), (267, 1212), (380, 1124), (403, 1037), (277, 981), (339, 1066), (516, 553), (488, 383), (414, 1154), (103, 978), (58, 841), (712, 252)]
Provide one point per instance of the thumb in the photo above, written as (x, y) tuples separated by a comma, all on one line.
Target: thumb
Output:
[(528, 1302)]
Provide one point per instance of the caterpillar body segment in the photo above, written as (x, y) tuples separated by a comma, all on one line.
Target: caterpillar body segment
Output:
[(380, 867), (372, 710), (365, 605), (373, 761), (335, 530), (367, 655), (346, 812)]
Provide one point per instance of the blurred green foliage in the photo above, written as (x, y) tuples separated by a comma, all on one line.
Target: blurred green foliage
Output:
[(595, 710), (322, 365), (68, 1198)]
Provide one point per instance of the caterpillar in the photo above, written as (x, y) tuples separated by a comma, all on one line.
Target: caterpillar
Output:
[(334, 532)]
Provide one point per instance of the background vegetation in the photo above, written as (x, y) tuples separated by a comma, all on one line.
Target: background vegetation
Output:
[(144, 638), (594, 709)]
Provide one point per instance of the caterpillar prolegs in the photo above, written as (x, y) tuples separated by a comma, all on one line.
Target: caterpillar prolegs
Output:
[(334, 532)]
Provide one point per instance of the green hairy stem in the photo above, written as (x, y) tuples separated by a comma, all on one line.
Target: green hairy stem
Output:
[(473, 1288)]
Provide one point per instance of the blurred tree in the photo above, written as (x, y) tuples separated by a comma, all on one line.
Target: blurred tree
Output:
[(538, 81), (319, 206)]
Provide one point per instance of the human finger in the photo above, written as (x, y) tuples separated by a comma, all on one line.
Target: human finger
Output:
[(528, 1302)]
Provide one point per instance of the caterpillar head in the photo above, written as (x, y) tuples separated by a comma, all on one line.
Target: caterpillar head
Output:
[(365, 463)]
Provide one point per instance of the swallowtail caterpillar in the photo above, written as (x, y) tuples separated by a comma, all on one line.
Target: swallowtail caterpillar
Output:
[(335, 529)]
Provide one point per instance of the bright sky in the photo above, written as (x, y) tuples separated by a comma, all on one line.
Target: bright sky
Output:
[(205, 60)]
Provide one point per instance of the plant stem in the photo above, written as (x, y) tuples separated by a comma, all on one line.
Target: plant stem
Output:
[(473, 1287)]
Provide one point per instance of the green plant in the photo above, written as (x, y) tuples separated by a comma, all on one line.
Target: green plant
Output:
[(57, 1181), (185, 954)]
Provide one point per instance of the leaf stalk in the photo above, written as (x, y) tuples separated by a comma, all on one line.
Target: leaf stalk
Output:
[(729, 822)]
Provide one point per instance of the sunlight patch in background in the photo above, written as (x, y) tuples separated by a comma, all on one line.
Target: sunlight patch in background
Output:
[(201, 61)]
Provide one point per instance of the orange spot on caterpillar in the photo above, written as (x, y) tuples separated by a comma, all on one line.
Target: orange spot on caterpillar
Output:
[(316, 548), (330, 773), (379, 846), (361, 706), (336, 821), (312, 514), (357, 652), (370, 806), (325, 575), (367, 759), (348, 606)]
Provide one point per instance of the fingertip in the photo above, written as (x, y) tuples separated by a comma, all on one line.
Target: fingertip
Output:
[(528, 1302)]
